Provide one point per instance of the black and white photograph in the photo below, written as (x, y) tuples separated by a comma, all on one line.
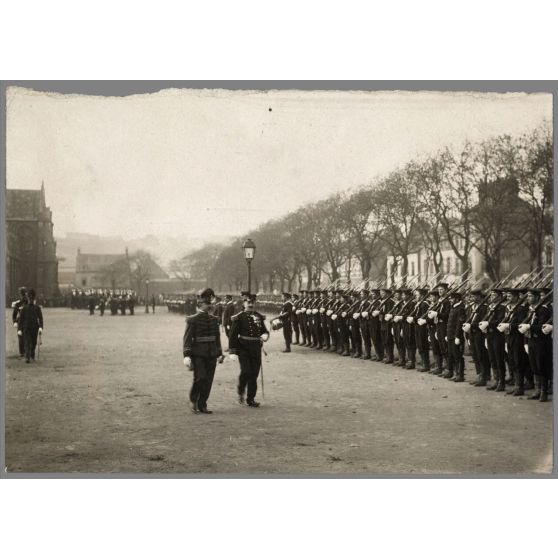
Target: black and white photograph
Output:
[(236, 281)]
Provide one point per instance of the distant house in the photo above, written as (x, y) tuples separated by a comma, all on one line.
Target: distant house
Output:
[(115, 271), (30, 246)]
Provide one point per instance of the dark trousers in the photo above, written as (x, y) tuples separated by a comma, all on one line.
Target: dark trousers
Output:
[(250, 364), (456, 362), (204, 371), (399, 341), (497, 354), (480, 354), (441, 330), (365, 334), (410, 341), (517, 359), (21, 343), (355, 337), (296, 328), (30, 342), (376, 336), (287, 334), (387, 340)]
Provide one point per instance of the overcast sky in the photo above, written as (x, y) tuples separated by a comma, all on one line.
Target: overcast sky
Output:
[(186, 162)]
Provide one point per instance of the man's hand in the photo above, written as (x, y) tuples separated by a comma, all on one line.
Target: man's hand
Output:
[(483, 326), (365, 314), (188, 362), (233, 358), (264, 337), (523, 328), (40, 330), (410, 319), (457, 341), (547, 328), (19, 332), (15, 324), (388, 317), (421, 321), (334, 316), (432, 314), (221, 359), (503, 327), (466, 327)]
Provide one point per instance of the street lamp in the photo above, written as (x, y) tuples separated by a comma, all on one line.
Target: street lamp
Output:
[(249, 249), (147, 296)]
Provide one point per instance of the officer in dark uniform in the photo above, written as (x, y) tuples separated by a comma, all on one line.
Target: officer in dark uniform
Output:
[(102, 304), (421, 329), (455, 338), (201, 350), (248, 332), (477, 309), (495, 339), (432, 337), (17, 305), (539, 343), (385, 307), (285, 315), (518, 361), (29, 325), (228, 313), (375, 333)]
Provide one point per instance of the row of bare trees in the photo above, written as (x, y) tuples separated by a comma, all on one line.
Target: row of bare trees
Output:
[(489, 196)]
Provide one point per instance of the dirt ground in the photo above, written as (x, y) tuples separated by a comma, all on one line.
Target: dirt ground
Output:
[(109, 395)]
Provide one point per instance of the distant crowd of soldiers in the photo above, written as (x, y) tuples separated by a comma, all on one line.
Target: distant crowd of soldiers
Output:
[(116, 301), (505, 329)]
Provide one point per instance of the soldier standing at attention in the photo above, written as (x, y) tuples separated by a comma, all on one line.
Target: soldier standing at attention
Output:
[(248, 332), (29, 325), (294, 318), (285, 315), (455, 338), (202, 350), (17, 306)]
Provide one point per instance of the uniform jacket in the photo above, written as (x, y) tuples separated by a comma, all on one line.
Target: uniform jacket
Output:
[(17, 306), (246, 329), (496, 313), (201, 337), (537, 317), (476, 314), (456, 319), (30, 317), (286, 311), (515, 314)]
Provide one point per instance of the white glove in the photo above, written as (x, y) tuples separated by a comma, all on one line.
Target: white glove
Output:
[(483, 326), (264, 337), (233, 358), (397, 318), (329, 312), (356, 316), (388, 317), (421, 321), (314, 310), (457, 341), (19, 332), (187, 362), (303, 310), (466, 327), (15, 324), (364, 314), (322, 310), (446, 338), (40, 330), (375, 313), (308, 312), (297, 312), (334, 316), (503, 327), (432, 314), (410, 319), (343, 314), (547, 328), (523, 328)]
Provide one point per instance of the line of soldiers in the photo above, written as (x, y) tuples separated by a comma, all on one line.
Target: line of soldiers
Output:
[(508, 328), (116, 301)]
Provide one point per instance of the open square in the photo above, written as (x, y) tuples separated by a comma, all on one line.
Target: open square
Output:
[(110, 395)]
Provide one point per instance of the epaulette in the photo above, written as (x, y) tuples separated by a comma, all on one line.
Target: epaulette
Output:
[(236, 316)]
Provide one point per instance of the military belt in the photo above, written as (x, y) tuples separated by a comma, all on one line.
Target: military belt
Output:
[(246, 338), (206, 339)]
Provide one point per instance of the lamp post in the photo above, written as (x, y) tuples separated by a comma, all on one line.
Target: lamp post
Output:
[(147, 296), (249, 249)]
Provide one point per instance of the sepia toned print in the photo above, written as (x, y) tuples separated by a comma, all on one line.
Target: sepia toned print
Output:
[(219, 282)]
